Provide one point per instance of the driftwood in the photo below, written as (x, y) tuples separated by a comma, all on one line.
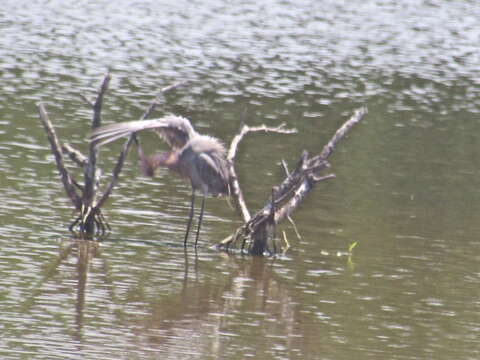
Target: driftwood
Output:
[(86, 198), (252, 236), (286, 197), (236, 191)]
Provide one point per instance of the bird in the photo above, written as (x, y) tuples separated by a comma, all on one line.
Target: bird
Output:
[(199, 159)]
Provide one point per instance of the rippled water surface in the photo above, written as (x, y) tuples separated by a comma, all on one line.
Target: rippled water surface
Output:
[(407, 188)]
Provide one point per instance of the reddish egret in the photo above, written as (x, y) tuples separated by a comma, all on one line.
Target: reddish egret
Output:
[(200, 159)]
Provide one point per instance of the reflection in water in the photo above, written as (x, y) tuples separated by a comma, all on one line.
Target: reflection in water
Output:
[(83, 251), (197, 316), (51, 270), (201, 317)]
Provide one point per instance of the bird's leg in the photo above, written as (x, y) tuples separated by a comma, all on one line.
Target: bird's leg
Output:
[(192, 206), (200, 219)]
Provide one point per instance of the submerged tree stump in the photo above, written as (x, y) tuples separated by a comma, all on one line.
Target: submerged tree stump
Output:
[(83, 197), (87, 199)]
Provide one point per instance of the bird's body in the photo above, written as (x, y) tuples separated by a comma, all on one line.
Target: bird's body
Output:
[(200, 159)]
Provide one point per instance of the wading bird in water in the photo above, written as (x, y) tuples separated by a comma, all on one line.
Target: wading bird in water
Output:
[(200, 159)]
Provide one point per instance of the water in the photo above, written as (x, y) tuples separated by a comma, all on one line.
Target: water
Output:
[(406, 189)]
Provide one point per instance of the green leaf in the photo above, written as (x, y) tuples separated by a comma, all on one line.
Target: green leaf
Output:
[(352, 246)]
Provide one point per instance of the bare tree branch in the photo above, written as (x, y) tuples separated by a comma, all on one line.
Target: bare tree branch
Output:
[(90, 176), (97, 106), (235, 189), (116, 172), (289, 194), (57, 152), (340, 133), (232, 152), (76, 156), (156, 101), (300, 194)]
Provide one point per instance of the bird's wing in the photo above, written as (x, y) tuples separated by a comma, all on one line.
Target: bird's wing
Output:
[(175, 130), (213, 171)]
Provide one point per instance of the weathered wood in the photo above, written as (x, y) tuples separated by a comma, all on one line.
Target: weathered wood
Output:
[(236, 191), (288, 196), (90, 176), (66, 178), (256, 230), (116, 173), (76, 156)]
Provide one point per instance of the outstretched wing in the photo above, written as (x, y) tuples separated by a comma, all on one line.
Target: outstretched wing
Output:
[(175, 130)]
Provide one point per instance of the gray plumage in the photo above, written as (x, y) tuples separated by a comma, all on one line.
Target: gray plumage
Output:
[(175, 130), (201, 159)]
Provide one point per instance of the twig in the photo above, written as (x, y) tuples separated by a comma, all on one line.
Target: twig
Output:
[(294, 227), (285, 167), (272, 220), (97, 106), (156, 101), (287, 244), (86, 100), (57, 152), (247, 129)]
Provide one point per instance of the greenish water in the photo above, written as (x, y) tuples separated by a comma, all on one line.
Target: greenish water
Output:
[(407, 186)]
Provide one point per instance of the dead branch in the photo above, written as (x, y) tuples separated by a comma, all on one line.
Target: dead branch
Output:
[(67, 181), (116, 173), (235, 190), (90, 217), (289, 194), (76, 156), (156, 101), (342, 131), (90, 169), (300, 194)]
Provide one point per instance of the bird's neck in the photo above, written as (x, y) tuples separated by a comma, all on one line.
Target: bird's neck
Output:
[(148, 164)]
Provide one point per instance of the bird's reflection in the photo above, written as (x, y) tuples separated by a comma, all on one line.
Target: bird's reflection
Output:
[(211, 294), (206, 307)]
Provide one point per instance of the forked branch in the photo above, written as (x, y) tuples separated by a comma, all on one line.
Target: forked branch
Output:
[(235, 189), (88, 208), (287, 196)]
